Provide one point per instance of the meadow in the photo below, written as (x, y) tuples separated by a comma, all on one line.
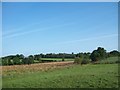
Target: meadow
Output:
[(58, 59), (61, 75), (54, 59)]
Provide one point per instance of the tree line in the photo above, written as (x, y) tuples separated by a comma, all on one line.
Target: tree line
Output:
[(96, 55)]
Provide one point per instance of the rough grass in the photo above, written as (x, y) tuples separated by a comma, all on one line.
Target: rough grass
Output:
[(110, 60), (74, 76)]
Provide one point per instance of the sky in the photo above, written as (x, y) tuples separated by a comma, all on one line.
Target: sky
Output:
[(66, 27)]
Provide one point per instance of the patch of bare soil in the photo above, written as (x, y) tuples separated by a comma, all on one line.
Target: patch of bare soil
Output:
[(34, 67)]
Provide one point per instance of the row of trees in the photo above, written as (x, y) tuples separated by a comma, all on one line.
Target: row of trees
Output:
[(17, 60), (53, 55), (98, 54), (101, 54), (21, 59)]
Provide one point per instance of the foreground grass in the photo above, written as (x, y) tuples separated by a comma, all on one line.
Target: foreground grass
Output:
[(75, 76)]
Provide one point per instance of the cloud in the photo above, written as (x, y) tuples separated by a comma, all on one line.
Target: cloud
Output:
[(88, 39), (21, 32), (23, 28)]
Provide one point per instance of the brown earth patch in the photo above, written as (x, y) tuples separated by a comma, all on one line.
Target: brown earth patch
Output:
[(34, 67)]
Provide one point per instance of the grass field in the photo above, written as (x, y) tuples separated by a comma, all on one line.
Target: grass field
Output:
[(62, 76), (109, 60), (58, 59), (55, 59)]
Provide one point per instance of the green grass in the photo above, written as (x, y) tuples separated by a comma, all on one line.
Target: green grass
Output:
[(76, 76), (57, 59), (110, 60)]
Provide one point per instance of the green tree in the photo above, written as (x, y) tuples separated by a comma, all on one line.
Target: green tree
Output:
[(114, 53), (98, 54), (30, 59), (21, 56), (37, 57), (95, 56), (4, 61), (102, 52), (16, 60), (25, 60)]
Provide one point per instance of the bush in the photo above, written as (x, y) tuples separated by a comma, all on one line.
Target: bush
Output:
[(63, 59), (110, 60), (40, 60), (78, 60), (85, 61), (117, 61)]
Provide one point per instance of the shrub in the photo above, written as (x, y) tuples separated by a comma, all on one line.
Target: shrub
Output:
[(63, 59), (85, 61), (110, 60), (117, 61), (40, 60), (78, 60)]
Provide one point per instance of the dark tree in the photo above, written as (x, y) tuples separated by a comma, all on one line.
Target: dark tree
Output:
[(102, 52), (114, 53), (37, 57), (30, 59), (95, 56), (25, 60), (98, 54), (16, 60)]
